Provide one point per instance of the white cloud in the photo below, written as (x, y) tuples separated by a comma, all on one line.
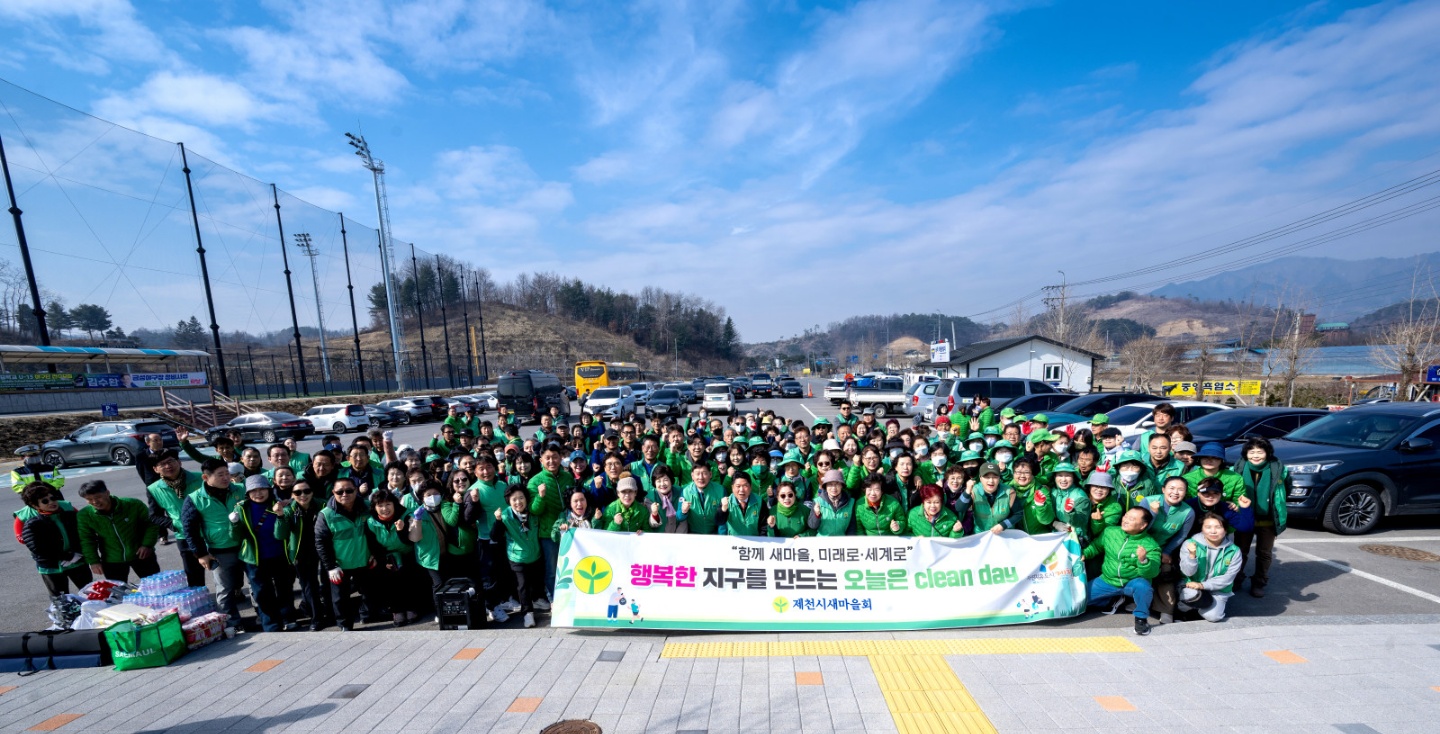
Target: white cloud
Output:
[(197, 97), (326, 197), (111, 32)]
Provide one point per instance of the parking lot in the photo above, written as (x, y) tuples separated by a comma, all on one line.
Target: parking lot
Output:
[(1317, 574)]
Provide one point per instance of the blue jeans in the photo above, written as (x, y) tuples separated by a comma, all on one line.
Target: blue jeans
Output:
[(551, 551), (1102, 593), (272, 590)]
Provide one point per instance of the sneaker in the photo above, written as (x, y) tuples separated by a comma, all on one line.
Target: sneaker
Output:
[(1167, 618), (1142, 626), (489, 616), (1182, 606), (541, 605), (411, 616), (529, 620), (499, 616), (291, 626), (1113, 607), (1257, 590), (510, 606)]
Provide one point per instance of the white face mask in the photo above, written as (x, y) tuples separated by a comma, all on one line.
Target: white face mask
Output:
[(977, 446), (1129, 475), (432, 501), (991, 441), (416, 486), (944, 435), (1004, 457), (922, 451), (1061, 448), (939, 460)]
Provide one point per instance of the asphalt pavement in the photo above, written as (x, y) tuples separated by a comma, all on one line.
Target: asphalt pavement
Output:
[(1317, 574)]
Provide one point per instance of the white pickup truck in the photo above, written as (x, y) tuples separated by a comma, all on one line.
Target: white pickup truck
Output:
[(883, 395)]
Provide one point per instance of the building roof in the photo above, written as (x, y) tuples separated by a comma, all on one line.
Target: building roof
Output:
[(13, 354), (980, 350)]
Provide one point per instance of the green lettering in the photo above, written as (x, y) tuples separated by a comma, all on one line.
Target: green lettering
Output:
[(967, 578)]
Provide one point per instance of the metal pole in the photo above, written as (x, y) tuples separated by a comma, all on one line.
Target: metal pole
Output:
[(15, 213), (289, 288), (465, 315), (444, 321), (480, 314), (350, 286), (254, 384), (302, 241), (420, 314), (387, 247), (275, 368), (205, 273)]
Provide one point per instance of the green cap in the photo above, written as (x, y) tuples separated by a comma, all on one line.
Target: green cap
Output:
[(1100, 419), (992, 430), (976, 436), (821, 422), (1041, 437), (1065, 467), (1128, 456), (793, 457), (991, 469), (756, 441), (1007, 412), (969, 456), (1040, 418), (1020, 418)]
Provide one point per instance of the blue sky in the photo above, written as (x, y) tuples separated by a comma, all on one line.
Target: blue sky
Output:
[(795, 163)]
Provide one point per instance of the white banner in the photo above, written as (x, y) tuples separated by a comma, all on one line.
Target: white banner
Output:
[(719, 582), (172, 379), (940, 351)]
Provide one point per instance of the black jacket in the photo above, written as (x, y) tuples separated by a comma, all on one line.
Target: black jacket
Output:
[(49, 546)]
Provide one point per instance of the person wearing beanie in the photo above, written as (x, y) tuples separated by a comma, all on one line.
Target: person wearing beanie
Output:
[(255, 521), (834, 511)]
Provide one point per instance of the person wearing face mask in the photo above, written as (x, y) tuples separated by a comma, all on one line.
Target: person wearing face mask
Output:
[(1133, 482), (1071, 503), (296, 526), (1039, 513), (993, 506), (1209, 562), (1061, 449), (1171, 524), (933, 469), (436, 535), (518, 529), (1003, 454)]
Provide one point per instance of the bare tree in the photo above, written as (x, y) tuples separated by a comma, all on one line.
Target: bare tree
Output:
[(1147, 360), (1069, 327), (1411, 343)]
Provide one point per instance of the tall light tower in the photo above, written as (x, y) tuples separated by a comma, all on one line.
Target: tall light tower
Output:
[(302, 241), (382, 207)]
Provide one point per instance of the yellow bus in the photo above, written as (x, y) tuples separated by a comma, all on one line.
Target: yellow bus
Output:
[(593, 373)]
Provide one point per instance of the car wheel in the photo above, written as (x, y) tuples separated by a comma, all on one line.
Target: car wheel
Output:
[(1356, 510), (404, 419), (54, 458), (879, 410), (338, 427), (122, 456), (268, 436)]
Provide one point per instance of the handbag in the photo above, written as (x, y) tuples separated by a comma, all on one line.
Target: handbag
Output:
[(157, 644)]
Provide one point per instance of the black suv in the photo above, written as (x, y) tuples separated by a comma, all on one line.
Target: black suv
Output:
[(1353, 467)]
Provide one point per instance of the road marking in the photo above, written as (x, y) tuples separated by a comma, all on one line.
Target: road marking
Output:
[(1285, 657), (811, 412), (55, 722), (809, 679), (1347, 569), (1366, 539)]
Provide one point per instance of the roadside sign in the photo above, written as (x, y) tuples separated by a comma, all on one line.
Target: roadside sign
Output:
[(109, 410), (1187, 388), (1432, 373)]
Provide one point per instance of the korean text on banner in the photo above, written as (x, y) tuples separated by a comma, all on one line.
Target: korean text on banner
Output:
[(660, 581)]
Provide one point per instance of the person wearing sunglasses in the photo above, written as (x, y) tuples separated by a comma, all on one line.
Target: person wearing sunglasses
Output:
[(53, 537), (297, 527), (789, 520), (340, 539)]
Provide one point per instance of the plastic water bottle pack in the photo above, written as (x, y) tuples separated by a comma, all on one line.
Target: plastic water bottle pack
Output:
[(160, 584)]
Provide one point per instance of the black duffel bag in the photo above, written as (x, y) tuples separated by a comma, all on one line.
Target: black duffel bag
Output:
[(29, 652)]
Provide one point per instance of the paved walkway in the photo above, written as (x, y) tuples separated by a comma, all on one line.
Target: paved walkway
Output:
[(1348, 675)]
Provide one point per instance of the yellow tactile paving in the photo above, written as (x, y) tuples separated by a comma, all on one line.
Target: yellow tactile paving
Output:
[(920, 688)]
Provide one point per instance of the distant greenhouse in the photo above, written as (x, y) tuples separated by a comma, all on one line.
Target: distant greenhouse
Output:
[(1339, 361)]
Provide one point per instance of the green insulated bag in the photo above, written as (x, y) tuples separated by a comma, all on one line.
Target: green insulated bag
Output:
[(154, 645)]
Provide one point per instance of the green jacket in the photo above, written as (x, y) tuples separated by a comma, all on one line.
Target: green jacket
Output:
[(876, 520), (941, 527), (834, 521), (638, 470), (1230, 481), (1172, 468), (704, 507), (116, 536), (1073, 507), (552, 505), (349, 548), (1110, 512), (522, 543), (1121, 563), (492, 498), (634, 518), (1039, 513), (1267, 489), (245, 530)]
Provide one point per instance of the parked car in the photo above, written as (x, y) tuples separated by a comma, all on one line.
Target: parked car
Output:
[(487, 400), (835, 391), (880, 395), (611, 402), (439, 409), (385, 417), (960, 392), (1352, 468), (920, 399), (531, 393), (687, 391), (790, 388), (739, 388), (113, 442), (571, 393), (1040, 403), (268, 427), (666, 401), (1232, 427), (469, 401), (1134, 419), (338, 418), (719, 398), (414, 411), (1088, 406), (641, 391)]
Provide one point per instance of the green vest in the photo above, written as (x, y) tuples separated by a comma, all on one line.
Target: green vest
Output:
[(920, 527), (746, 522), (1168, 521), (1224, 558), (989, 513), (703, 507), (219, 533), (792, 525), (834, 522), (347, 539), (521, 546), (1078, 516), (389, 539), (171, 501)]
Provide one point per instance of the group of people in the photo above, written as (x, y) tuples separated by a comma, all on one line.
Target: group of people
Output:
[(370, 530)]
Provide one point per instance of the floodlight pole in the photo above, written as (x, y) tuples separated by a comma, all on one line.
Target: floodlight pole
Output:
[(25, 253)]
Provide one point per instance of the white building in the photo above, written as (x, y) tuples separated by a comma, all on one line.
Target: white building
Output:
[(1032, 357)]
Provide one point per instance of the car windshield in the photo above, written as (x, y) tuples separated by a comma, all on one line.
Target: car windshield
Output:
[(660, 395), (1355, 429), (1127, 415), (717, 389), (1083, 405), (605, 393), (1220, 424)]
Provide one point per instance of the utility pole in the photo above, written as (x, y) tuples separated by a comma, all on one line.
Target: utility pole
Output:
[(480, 315), (302, 241), (387, 267), (43, 332)]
